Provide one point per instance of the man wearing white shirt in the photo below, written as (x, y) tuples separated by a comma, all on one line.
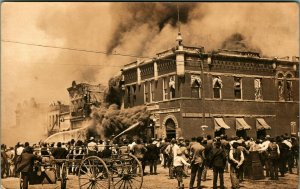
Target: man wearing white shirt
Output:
[(263, 152)]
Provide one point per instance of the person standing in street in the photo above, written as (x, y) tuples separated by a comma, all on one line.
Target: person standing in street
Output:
[(139, 151), (197, 154), (153, 156), (218, 162), (25, 165), (92, 147), (273, 156), (179, 162), (236, 159)]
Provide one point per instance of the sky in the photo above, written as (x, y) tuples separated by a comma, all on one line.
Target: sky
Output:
[(141, 29)]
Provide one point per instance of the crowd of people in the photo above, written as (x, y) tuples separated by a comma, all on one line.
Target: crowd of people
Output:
[(183, 158)]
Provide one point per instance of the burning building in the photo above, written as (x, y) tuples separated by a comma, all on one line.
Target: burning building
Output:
[(83, 97), (191, 92)]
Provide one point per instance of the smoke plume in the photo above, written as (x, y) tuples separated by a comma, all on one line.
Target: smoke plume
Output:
[(112, 120), (238, 42), (131, 17)]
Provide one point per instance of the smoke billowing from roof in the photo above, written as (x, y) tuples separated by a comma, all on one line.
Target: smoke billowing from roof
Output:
[(238, 42), (156, 16)]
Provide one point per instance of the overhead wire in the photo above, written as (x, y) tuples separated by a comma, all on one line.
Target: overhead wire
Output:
[(93, 51)]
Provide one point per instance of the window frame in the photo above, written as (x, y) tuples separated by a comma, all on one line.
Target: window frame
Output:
[(240, 89), (215, 88)]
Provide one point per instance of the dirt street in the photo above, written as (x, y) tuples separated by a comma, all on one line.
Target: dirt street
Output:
[(161, 181)]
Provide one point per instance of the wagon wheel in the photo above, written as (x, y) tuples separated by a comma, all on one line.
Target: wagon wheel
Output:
[(21, 181), (131, 174), (93, 173), (64, 174)]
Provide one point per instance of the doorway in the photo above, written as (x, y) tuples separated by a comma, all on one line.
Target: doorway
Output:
[(170, 129)]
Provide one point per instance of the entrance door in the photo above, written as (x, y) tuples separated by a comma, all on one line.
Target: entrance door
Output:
[(170, 129)]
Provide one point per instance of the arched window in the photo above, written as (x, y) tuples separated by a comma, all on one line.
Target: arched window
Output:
[(196, 86), (217, 86)]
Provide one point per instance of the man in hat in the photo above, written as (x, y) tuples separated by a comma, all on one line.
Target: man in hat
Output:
[(153, 156), (236, 159), (264, 154), (197, 162), (218, 159), (179, 162), (25, 165), (92, 147)]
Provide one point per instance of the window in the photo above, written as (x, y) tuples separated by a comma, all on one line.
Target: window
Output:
[(152, 91), (172, 87), (280, 87), (165, 89), (134, 94), (258, 89), (195, 86), (237, 88), (128, 95), (217, 86), (289, 88), (146, 92)]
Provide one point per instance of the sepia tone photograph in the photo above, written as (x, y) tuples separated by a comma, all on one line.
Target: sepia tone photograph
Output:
[(149, 95)]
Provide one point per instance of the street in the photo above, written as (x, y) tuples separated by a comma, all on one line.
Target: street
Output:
[(161, 181)]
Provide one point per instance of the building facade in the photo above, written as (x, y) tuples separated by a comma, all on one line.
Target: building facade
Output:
[(191, 92), (82, 97), (58, 118)]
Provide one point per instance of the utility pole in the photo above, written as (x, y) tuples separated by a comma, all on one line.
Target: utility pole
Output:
[(203, 126)]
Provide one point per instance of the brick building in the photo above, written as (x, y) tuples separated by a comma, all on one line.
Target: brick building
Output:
[(191, 92)]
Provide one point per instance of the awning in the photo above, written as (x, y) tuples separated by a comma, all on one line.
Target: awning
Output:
[(241, 124), (219, 123), (262, 124)]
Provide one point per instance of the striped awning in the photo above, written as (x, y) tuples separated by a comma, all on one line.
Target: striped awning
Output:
[(220, 123), (241, 124), (262, 124)]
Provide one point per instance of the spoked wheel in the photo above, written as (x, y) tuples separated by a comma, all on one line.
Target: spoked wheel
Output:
[(21, 181), (127, 173), (93, 174), (64, 175)]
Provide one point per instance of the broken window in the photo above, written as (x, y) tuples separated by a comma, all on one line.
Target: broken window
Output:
[(280, 84), (258, 89), (289, 87), (146, 92), (195, 85), (128, 95), (165, 89), (237, 88), (172, 87), (134, 94), (152, 89), (217, 86)]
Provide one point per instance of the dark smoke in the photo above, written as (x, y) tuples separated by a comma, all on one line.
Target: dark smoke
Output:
[(129, 16), (112, 120), (113, 93), (238, 42)]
